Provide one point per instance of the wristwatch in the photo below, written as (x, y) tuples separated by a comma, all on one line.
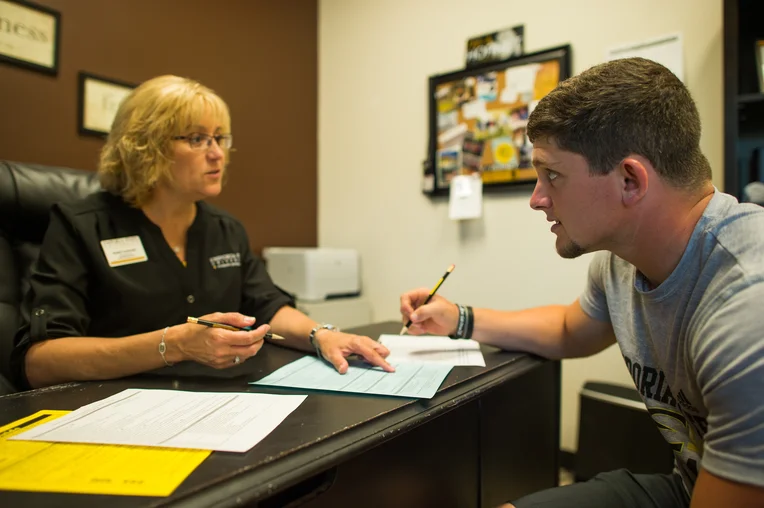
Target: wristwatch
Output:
[(312, 336)]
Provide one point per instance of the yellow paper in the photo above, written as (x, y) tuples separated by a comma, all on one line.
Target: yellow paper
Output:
[(90, 468)]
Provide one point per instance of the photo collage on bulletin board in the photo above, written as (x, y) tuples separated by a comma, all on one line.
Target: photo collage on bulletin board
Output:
[(478, 118)]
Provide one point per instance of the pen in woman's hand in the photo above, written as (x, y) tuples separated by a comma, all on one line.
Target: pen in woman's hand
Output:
[(224, 326)]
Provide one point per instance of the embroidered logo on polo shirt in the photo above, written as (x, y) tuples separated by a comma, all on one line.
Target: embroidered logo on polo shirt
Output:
[(226, 260)]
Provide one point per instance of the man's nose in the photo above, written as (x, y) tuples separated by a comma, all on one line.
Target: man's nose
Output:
[(540, 199)]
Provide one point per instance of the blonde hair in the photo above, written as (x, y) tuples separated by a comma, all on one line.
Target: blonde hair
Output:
[(139, 152)]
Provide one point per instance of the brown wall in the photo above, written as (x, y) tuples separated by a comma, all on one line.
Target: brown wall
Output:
[(261, 56)]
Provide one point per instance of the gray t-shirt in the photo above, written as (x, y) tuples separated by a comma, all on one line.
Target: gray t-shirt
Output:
[(695, 344)]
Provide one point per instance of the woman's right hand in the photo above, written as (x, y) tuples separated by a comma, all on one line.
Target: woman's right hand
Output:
[(215, 347), (437, 317)]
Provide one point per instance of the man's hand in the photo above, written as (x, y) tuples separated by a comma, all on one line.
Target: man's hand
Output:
[(438, 317)]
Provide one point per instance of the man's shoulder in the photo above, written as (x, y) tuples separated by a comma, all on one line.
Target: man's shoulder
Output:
[(729, 256), (725, 215), (734, 232)]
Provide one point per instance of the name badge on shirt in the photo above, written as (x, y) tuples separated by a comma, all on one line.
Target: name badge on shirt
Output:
[(124, 251)]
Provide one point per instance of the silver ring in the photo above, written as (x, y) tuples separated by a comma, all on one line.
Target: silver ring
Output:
[(236, 360)]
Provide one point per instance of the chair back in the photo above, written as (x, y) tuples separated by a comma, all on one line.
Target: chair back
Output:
[(27, 192)]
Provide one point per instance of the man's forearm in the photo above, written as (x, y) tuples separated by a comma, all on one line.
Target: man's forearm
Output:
[(554, 331), (539, 330)]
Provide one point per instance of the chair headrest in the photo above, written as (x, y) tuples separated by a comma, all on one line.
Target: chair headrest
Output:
[(754, 193), (27, 192)]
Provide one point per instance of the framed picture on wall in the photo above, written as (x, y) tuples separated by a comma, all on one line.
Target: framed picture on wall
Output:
[(760, 64), (98, 99), (29, 35), (478, 118)]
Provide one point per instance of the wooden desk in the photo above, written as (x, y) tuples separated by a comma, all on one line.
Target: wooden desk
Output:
[(489, 435)]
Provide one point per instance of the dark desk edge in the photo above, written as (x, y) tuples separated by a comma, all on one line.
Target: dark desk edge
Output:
[(38, 391), (258, 483)]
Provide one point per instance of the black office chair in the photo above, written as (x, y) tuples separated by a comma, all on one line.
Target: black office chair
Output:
[(27, 192), (754, 193), (629, 439)]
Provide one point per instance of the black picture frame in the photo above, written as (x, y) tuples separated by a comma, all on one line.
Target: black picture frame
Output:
[(110, 93), (477, 109), (759, 48), (20, 40)]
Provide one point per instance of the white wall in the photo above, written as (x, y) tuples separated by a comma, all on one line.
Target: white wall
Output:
[(374, 60)]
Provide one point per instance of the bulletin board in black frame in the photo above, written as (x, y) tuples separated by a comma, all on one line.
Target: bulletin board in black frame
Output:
[(478, 116)]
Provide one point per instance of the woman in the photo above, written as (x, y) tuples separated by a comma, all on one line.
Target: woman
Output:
[(120, 271)]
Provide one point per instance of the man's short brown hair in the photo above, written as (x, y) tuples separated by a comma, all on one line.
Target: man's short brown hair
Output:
[(622, 107)]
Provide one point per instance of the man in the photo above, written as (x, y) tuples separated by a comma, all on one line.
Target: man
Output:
[(678, 284)]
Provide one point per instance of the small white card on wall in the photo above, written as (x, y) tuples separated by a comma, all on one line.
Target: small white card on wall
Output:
[(466, 197), (667, 50)]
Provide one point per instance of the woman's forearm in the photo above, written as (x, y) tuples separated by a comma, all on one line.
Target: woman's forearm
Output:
[(92, 358), (294, 326)]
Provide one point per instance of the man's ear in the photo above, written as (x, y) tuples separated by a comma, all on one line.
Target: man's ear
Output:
[(634, 179)]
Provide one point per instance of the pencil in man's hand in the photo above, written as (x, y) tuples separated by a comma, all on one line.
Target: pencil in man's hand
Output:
[(429, 297)]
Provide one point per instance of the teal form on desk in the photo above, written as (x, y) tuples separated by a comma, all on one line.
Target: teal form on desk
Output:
[(415, 380)]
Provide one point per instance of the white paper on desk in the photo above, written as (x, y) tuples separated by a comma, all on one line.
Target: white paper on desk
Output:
[(465, 200), (228, 422), (667, 50), (432, 349), (408, 380)]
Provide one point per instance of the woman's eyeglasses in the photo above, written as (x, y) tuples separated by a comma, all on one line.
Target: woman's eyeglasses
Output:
[(199, 141)]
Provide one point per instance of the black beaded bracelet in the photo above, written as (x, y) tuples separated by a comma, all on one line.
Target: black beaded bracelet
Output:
[(470, 323), (464, 325)]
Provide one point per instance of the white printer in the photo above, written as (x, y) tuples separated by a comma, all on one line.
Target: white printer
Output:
[(326, 283), (314, 273)]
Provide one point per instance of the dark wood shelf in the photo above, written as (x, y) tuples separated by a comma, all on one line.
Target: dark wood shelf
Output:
[(743, 100), (749, 98)]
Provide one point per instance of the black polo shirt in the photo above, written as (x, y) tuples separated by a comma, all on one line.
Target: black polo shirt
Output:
[(75, 292)]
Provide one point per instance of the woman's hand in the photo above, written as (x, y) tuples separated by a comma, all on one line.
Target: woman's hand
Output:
[(336, 346), (215, 347)]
